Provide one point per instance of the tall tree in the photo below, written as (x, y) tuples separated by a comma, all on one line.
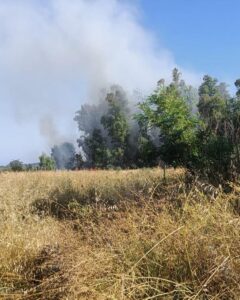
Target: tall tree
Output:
[(237, 84), (212, 103), (99, 154), (46, 163), (167, 110), (108, 121), (217, 132), (116, 124), (187, 92), (147, 150)]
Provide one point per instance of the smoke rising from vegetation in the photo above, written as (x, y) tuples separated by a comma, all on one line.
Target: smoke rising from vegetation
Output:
[(56, 54), (49, 131)]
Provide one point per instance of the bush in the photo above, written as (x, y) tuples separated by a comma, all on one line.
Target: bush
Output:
[(16, 166)]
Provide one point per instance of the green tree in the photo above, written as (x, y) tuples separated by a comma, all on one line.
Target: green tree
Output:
[(215, 137), (166, 109), (215, 152), (212, 103), (16, 166), (99, 154), (46, 162), (232, 130), (187, 92), (237, 84), (147, 150), (116, 124), (111, 117)]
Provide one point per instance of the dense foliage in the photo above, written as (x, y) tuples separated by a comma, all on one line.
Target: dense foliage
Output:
[(177, 125), (167, 110), (16, 166), (46, 163)]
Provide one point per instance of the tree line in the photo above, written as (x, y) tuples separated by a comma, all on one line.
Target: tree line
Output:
[(177, 125)]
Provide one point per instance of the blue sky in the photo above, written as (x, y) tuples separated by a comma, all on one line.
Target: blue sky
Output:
[(56, 55), (203, 35)]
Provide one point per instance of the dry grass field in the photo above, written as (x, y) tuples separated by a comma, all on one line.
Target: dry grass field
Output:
[(116, 235)]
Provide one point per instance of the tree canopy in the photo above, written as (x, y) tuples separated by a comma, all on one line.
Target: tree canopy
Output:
[(198, 129), (46, 163), (178, 124)]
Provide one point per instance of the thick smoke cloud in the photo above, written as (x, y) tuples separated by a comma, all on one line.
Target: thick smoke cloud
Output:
[(57, 54)]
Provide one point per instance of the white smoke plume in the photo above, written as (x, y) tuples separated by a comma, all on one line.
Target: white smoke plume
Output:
[(49, 130), (57, 54)]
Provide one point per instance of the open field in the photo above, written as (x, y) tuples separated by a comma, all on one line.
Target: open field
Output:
[(116, 235)]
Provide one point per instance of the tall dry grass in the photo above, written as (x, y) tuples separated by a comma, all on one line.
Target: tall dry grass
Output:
[(115, 235)]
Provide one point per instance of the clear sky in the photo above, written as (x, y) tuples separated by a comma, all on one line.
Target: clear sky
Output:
[(55, 55), (204, 35)]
